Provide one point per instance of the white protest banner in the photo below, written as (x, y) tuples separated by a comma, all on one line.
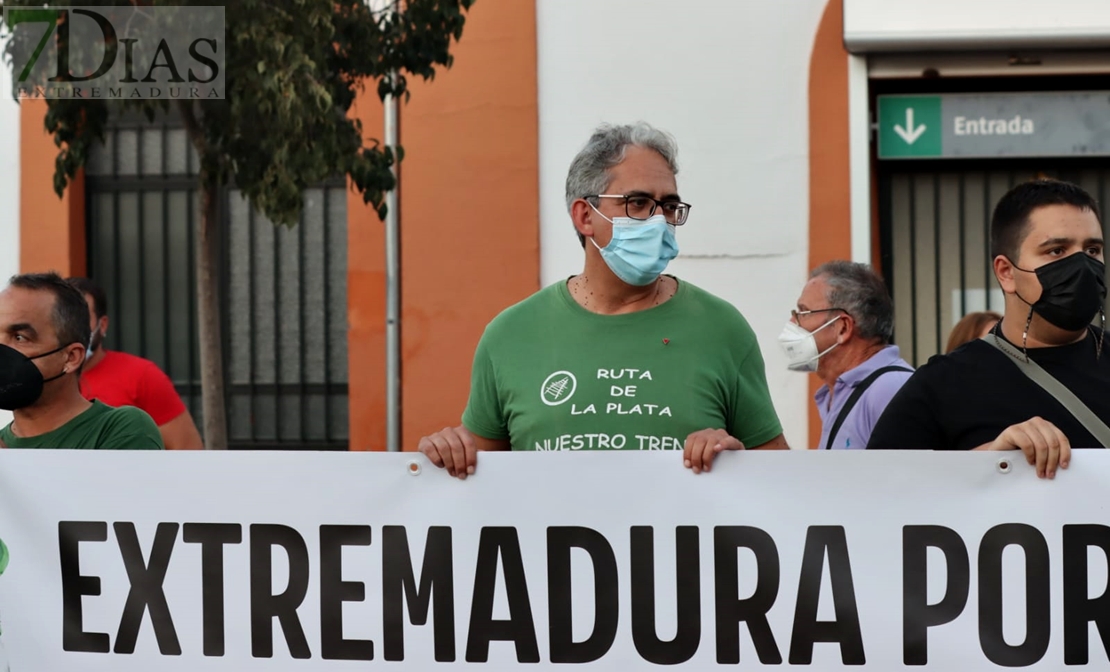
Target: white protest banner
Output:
[(605, 561)]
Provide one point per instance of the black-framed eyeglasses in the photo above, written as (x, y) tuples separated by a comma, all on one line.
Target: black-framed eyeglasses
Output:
[(797, 314), (642, 207)]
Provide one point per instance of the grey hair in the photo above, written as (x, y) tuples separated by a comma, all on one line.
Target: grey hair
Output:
[(589, 171), (858, 290)]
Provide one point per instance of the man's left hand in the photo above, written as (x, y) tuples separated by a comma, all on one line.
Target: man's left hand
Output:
[(701, 447)]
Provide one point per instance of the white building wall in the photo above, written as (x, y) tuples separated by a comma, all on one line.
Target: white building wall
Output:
[(9, 187), (730, 81)]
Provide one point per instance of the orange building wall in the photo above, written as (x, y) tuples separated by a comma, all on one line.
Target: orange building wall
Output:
[(469, 225), (366, 303), (830, 213), (51, 229)]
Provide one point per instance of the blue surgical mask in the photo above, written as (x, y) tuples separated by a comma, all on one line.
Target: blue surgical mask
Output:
[(640, 249)]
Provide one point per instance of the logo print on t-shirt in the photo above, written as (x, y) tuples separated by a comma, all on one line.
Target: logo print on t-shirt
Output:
[(558, 388)]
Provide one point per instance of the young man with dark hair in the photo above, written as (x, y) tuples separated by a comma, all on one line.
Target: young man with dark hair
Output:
[(44, 333), (122, 379), (994, 393)]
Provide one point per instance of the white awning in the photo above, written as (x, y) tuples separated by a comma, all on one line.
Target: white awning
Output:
[(974, 25)]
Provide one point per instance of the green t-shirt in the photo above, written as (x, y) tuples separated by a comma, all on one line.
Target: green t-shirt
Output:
[(101, 426), (550, 375)]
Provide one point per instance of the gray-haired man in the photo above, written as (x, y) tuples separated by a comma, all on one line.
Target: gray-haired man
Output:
[(620, 356), (841, 331)]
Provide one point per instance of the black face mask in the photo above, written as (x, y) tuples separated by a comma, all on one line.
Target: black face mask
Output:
[(1073, 290), (20, 380)]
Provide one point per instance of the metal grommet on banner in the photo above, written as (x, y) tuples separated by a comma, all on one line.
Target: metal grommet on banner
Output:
[(414, 468), (1005, 465)]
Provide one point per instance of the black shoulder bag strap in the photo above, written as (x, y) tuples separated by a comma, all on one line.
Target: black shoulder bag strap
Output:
[(856, 394), (1086, 417)]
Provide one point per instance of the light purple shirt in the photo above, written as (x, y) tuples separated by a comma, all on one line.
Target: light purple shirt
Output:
[(856, 430)]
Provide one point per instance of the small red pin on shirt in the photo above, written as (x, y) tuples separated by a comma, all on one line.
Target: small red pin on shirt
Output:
[(666, 341)]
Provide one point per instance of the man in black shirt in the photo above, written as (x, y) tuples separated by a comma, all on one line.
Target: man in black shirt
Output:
[(1047, 245)]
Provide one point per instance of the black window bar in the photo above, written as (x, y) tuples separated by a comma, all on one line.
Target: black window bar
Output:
[(283, 290)]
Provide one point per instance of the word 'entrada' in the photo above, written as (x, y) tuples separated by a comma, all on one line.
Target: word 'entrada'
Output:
[(984, 126)]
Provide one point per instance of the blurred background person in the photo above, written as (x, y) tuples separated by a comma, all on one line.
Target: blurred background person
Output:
[(841, 330), (121, 379), (971, 327)]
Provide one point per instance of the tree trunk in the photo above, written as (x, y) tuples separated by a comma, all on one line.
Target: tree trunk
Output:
[(213, 411), (208, 309)]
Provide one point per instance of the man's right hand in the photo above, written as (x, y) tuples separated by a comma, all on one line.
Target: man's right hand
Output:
[(1043, 444), (452, 448)]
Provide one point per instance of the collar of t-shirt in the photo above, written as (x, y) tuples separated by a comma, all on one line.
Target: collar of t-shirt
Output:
[(1054, 354)]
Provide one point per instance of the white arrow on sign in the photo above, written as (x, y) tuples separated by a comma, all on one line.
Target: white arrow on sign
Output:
[(909, 133)]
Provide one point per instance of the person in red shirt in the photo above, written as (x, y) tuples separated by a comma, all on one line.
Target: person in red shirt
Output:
[(121, 379)]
